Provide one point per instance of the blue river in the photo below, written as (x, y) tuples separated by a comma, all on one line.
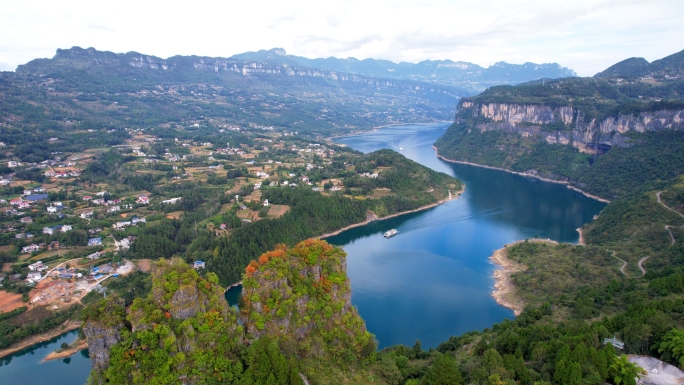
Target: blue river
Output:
[(432, 280)]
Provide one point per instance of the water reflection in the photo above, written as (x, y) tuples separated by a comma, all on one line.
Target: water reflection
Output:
[(433, 279)]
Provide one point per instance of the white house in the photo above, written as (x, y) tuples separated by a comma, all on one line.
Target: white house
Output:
[(95, 242), (136, 220), (113, 209), (94, 255), (38, 266), (266, 204), (86, 215), (121, 225), (66, 228), (30, 248), (52, 209), (143, 200), (125, 243), (171, 201)]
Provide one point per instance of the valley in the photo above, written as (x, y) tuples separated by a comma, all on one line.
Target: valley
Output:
[(118, 160)]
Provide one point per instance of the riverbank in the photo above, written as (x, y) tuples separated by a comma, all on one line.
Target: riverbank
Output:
[(75, 347), (582, 242), (504, 290), (38, 338), (330, 138), (367, 221), (233, 285), (588, 195)]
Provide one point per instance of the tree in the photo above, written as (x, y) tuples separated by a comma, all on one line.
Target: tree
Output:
[(443, 372), (673, 346), (624, 372)]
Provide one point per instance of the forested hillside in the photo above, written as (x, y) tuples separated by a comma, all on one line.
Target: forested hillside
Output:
[(604, 135)]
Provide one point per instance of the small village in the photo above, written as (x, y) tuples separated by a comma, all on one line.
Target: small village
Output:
[(61, 235)]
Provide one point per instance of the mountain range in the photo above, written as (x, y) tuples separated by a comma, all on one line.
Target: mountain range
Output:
[(259, 89), (461, 74)]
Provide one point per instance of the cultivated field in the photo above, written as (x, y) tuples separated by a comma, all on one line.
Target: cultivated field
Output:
[(9, 301)]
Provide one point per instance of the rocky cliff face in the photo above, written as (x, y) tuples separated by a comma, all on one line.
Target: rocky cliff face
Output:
[(588, 135), (304, 293), (100, 339), (185, 320), (102, 328)]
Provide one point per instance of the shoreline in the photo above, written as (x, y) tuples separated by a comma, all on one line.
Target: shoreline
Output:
[(384, 126), (238, 283), (504, 292), (38, 338), (421, 208), (71, 350), (581, 242), (586, 194)]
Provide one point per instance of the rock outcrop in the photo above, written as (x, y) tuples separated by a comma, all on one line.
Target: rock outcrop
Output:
[(185, 322), (102, 328), (304, 293), (586, 134)]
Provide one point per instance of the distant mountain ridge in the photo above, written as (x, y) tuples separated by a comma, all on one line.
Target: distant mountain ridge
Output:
[(252, 90), (669, 67), (606, 134), (459, 73)]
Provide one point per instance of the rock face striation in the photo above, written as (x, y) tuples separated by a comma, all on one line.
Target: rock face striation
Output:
[(183, 332), (586, 134), (104, 320), (303, 293)]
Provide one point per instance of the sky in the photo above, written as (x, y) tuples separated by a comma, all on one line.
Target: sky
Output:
[(584, 35)]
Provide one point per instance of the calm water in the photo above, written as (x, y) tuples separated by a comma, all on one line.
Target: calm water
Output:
[(25, 367), (432, 280)]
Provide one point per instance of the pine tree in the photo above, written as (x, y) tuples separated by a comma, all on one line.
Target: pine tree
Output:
[(443, 372)]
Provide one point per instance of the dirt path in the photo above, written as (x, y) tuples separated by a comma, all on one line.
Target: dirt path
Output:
[(664, 205), (624, 263), (667, 227), (642, 260)]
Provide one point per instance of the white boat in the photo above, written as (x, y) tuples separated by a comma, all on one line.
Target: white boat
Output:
[(390, 233)]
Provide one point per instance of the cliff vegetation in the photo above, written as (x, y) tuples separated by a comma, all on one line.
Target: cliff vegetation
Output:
[(604, 135)]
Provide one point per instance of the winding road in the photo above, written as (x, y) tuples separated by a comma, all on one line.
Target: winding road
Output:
[(624, 263), (667, 227), (642, 260)]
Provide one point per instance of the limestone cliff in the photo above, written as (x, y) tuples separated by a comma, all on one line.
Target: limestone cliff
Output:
[(103, 322), (587, 134), (303, 293), (183, 332)]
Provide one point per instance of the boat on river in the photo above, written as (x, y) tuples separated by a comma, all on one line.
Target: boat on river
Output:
[(390, 233)]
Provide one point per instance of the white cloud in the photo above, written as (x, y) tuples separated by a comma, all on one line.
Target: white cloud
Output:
[(586, 35)]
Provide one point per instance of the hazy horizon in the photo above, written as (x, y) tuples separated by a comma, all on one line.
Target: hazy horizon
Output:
[(586, 36)]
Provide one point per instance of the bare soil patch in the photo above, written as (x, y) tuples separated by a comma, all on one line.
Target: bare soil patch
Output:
[(34, 314), (174, 215), (277, 211), (9, 301), (381, 192), (144, 265)]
